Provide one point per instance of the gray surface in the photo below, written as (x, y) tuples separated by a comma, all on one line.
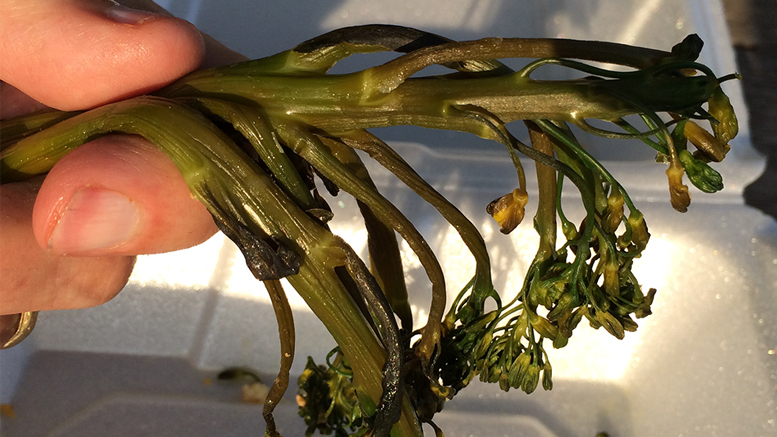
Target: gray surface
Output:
[(754, 35)]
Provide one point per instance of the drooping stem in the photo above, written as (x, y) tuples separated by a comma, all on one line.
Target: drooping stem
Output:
[(285, 320), (384, 253), (382, 153), (312, 150), (389, 408), (545, 220)]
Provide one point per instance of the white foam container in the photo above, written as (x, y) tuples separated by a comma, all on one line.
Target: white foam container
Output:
[(703, 364)]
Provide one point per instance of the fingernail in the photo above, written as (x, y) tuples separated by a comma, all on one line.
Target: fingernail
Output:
[(95, 219), (123, 14)]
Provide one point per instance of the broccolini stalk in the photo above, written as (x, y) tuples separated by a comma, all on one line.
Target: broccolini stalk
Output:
[(252, 124), (11, 131), (385, 258), (287, 336), (387, 157), (250, 138)]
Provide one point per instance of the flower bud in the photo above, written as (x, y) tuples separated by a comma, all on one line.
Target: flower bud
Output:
[(644, 307), (593, 321), (677, 190), (623, 242), (522, 324), (508, 210), (504, 385), (484, 370), (482, 347), (538, 293), (629, 324), (569, 230), (639, 230), (543, 326), (572, 322), (560, 341), (727, 126), (557, 286), (518, 369), (611, 324), (547, 376), (494, 374), (530, 379), (563, 306), (614, 215), (702, 176), (611, 278)]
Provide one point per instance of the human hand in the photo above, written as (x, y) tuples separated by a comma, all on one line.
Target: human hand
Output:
[(68, 240)]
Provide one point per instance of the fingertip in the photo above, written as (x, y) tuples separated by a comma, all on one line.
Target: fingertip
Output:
[(118, 195), (75, 55), (101, 279), (34, 279)]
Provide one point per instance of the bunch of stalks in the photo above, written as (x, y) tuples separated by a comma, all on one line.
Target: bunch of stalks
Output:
[(255, 141)]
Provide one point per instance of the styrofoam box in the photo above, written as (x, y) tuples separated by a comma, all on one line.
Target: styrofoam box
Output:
[(702, 365)]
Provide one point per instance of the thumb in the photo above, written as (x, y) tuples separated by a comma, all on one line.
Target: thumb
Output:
[(118, 195), (77, 54), (35, 280)]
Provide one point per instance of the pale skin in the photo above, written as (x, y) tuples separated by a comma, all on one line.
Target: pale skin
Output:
[(69, 239)]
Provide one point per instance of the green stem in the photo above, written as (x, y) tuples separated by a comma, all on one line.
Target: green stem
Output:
[(384, 254), (15, 129), (588, 160), (252, 124), (341, 103), (545, 219), (285, 320)]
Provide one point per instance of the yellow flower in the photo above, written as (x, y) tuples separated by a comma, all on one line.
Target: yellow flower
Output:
[(727, 126), (614, 215), (508, 210), (639, 232), (611, 278)]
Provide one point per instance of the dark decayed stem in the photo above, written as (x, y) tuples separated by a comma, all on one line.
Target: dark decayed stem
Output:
[(388, 410)]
